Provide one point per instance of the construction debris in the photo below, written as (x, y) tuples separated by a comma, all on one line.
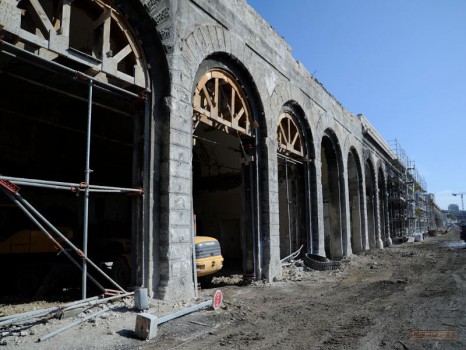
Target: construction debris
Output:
[(146, 323), (14, 325)]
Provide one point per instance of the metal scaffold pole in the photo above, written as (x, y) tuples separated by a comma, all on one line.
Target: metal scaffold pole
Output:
[(288, 206), (70, 186), (86, 191), (11, 190)]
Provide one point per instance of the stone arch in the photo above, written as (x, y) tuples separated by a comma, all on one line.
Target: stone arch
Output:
[(356, 201), (333, 196), (297, 180), (383, 206), (211, 41), (371, 204), (228, 122), (215, 43)]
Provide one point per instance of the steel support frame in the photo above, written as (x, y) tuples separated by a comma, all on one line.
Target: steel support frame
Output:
[(30, 58), (87, 176), (37, 217)]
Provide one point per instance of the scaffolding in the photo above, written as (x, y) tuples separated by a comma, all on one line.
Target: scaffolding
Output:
[(9, 185), (408, 212)]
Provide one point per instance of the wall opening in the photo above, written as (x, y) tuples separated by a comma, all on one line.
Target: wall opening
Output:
[(293, 188), (332, 200), (355, 198), (225, 168), (370, 205), (383, 203)]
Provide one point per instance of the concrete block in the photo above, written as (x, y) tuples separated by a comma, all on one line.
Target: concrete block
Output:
[(180, 169), (176, 185), (180, 138), (176, 234), (175, 218), (176, 289), (146, 326), (176, 250), (176, 201)]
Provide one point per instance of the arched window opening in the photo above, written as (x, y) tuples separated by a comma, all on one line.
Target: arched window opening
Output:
[(332, 199), (355, 198), (225, 170), (293, 184), (383, 210), (371, 205)]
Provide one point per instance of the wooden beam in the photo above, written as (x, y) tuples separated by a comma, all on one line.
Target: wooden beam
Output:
[(41, 15), (122, 54), (106, 38), (66, 18), (103, 17)]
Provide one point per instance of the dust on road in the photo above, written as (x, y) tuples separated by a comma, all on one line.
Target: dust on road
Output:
[(376, 302)]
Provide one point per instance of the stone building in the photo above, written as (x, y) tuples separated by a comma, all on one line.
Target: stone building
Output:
[(200, 104)]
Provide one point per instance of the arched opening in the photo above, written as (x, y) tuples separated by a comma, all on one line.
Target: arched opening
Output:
[(371, 205), (332, 198), (74, 111), (293, 185), (383, 203), (225, 157), (355, 202)]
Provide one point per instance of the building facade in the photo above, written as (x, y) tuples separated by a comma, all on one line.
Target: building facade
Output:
[(201, 114)]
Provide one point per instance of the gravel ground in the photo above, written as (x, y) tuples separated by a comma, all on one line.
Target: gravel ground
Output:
[(381, 299)]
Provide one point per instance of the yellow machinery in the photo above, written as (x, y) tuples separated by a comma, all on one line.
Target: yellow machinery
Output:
[(209, 260), (30, 257), (32, 241), (209, 257)]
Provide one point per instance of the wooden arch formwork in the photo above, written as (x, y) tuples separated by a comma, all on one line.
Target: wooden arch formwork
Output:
[(89, 36), (293, 186), (74, 83), (219, 102), (225, 170)]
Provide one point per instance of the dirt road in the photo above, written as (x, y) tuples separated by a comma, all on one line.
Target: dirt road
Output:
[(375, 302)]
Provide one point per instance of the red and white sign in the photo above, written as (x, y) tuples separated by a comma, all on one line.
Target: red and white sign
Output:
[(217, 299)]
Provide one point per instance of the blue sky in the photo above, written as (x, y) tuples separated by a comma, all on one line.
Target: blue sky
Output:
[(401, 63)]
